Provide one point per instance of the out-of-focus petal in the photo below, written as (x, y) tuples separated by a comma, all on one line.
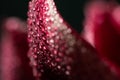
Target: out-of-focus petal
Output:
[(14, 47), (105, 30), (116, 18), (93, 13)]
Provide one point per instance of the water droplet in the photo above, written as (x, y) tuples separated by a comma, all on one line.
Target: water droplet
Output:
[(51, 41), (44, 47), (42, 70), (53, 64), (68, 68), (33, 8), (67, 73), (58, 59), (59, 67), (48, 28)]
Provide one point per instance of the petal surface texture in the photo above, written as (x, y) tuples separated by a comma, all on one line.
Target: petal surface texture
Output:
[(56, 51)]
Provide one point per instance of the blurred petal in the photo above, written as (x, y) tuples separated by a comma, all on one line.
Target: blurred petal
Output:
[(14, 61), (116, 18), (93, 13), (105, 30)]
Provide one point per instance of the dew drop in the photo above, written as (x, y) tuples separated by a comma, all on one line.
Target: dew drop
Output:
[(51, 41), (59, 67), (67, 73)]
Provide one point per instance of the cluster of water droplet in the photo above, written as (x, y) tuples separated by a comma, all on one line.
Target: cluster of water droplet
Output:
[(51, 41), (54, 46)]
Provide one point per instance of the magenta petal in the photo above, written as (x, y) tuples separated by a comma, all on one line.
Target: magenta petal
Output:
[(105, 31), (56, 50), (107, 39), (116, 18), (14, 61)]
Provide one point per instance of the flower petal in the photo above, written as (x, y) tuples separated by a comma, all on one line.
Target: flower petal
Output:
[(14, 61), (105, 30), (57, 51)]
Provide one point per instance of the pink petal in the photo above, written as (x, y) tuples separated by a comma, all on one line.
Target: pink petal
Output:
[(105, 30), (14, 61)]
